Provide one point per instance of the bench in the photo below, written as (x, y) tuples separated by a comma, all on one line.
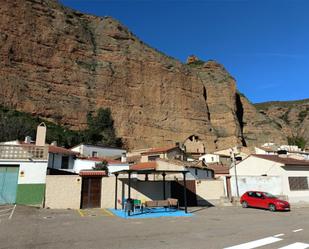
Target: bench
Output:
[(169, 203)]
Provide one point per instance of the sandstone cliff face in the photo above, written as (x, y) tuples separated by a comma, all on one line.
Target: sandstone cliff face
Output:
[(60, 64)]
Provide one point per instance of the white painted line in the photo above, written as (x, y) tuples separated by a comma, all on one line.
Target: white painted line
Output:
[(296, 245), (278, 235), (297, 230), (12, 212), (255, 243)]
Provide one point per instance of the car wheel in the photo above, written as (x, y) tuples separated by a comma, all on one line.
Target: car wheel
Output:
[(272, 207), (244, 204)]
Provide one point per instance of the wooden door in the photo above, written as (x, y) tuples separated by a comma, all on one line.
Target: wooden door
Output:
[(91, 192)]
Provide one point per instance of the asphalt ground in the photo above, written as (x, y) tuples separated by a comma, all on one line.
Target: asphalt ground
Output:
[(216, 227)]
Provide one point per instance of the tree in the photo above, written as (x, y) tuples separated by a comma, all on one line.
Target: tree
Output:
[(101, 129), (101, 166), (299, 141)]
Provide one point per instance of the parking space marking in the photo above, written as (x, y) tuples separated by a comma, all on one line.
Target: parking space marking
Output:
[(13, 210), (297, 230), (278, 235), (81, 213), (255, 243), (106, 211), (296, 245)]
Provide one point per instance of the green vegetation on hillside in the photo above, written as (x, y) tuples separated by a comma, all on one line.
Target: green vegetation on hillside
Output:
[(299, 141), (16, 125), (266, 105)]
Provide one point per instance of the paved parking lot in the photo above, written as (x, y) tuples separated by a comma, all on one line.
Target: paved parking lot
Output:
[(228, 227)]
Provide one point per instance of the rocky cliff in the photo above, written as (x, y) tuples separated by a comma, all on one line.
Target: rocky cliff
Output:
[(60, 64), (292, 117)]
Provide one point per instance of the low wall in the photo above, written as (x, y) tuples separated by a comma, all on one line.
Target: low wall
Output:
[(209, 192), (63, 191)]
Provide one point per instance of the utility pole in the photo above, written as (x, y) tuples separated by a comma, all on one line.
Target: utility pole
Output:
[(235, 171)]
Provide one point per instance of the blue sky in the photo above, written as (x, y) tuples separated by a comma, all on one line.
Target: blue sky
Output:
[(264, 44)]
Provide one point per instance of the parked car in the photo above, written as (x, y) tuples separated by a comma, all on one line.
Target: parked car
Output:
[(263, 200)]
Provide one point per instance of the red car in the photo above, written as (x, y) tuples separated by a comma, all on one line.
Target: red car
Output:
[(263, 200)]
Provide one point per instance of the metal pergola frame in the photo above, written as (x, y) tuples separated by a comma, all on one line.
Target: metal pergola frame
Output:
[(151, 171)]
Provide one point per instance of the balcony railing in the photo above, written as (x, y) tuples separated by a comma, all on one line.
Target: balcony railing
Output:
[(26, 151)]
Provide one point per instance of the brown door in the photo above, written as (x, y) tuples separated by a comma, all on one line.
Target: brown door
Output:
[(228, 187), (91, 192), (177, 192)]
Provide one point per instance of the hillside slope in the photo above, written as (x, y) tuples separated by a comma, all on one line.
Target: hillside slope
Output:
[(60, 64), (291, 116)]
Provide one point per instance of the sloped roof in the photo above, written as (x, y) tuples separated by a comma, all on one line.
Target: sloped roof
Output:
[(144, 166), (100, 159), (60, 150), (219, 168), (283, 160), (159, 150)]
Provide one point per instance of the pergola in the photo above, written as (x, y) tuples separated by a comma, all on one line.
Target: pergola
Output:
[(151, 171)]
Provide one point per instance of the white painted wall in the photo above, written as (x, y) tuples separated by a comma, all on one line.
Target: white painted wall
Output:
[(84, 164), (86, 150), (270, 184), (33, 172), (210, 158)]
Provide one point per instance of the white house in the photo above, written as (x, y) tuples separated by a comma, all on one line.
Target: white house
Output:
[(210, 158), (277, 174), (88, 150), (60, 158)]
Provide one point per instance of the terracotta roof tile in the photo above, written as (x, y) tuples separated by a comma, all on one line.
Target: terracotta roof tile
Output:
[(61, 150), (92, 173), (144, 166), (283, 160)]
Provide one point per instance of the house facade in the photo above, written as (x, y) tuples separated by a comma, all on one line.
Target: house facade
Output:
[(88, 150), (23, 174), (169, 152), (61, 158), (277, 174)]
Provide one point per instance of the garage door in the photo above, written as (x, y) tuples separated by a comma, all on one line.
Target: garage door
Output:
[(8, 184)]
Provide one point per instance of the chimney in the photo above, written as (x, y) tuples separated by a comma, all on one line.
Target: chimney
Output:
[(28, 140), (124, 157), (40, 135)]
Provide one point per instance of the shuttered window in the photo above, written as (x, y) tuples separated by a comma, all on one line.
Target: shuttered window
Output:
[(298, 183)]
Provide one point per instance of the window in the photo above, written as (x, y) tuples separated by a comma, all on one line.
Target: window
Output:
[(94, 154), (153, 158), (65, 162), (298, 183)]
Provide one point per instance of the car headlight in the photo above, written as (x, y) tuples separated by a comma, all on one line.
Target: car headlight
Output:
[(280, 203)]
